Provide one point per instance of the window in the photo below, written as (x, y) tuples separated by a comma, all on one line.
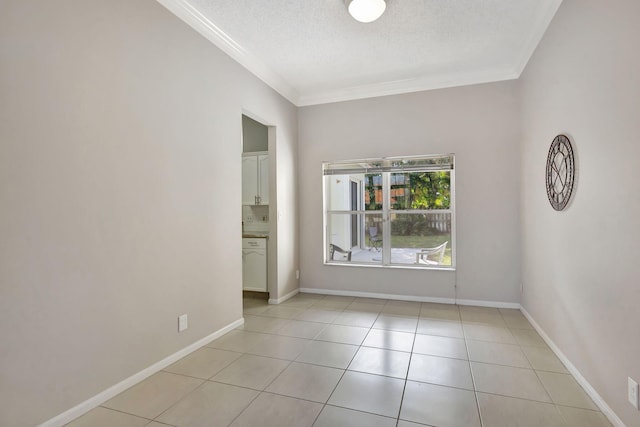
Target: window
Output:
[(390, 212)]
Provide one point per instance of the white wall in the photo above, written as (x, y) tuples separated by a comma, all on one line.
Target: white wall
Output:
[(480, 124), (580, 266), (120, 148)]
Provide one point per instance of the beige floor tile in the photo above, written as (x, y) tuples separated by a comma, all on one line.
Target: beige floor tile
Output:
[(511, 312), (212, 404), (439, 406), (158, 424), (439, 306), (517, 322), (280, 347), (440, 313), (103, 417), (282, 312), (365, 300), (441, 371), (238, 341), (575, 417), (403, 423), (301, 329), (440, 346), (402, 308), (255, 310), (381, 362), (330, 354), (529, 338), (339, 298), (369, 393), (343, 334), (356, 318), (443, 328), (365, 307), (270, 410), (489, 333), (396, 323), (390, 340), (565, 390), (203, 363), (308, 382), (332, 416), (299, 303), (485, 317), (331, 304), (318, 315), (251, 371), (543, 359), (267, 325), (154, 395), (305, 296), (500, 411), (478, 309), (496, 353), (508, 381)]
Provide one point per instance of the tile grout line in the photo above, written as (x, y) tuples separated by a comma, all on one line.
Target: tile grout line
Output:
[(343, 374), (406, 379)]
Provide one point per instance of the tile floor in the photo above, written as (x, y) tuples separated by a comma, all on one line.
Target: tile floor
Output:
[(331, 361)]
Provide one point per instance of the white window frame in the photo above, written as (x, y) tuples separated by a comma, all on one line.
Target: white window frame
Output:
[(386, 213)]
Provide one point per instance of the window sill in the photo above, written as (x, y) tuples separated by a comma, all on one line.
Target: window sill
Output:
[(393, 266)]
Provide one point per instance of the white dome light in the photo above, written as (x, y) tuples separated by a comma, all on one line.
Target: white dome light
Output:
[(366, 10)]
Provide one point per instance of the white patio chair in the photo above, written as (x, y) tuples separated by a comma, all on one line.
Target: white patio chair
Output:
[(431, 256)]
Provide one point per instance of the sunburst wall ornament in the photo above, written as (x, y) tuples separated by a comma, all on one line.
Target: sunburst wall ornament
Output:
[(560, 172)]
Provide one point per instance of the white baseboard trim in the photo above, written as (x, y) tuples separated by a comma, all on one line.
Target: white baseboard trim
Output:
[(376, 295), (493, 304), (480, 303), (593, 394), (100, 398), (284, 298)]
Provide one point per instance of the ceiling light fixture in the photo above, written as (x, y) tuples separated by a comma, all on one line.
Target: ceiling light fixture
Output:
[(366, 10)]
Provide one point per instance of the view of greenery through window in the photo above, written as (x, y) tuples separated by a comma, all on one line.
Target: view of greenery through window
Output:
[(417, 217)]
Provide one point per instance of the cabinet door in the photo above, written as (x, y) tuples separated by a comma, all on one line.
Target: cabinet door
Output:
[(254, 270), (249, 180), (263, 191)]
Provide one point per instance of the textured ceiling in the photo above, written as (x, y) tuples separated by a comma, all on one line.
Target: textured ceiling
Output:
[(312, 51)]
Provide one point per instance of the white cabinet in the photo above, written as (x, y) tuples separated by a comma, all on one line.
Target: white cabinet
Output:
[(254, 264), (255, 179)]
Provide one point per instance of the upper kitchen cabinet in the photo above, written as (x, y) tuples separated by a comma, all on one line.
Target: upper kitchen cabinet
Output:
[(255, 178)]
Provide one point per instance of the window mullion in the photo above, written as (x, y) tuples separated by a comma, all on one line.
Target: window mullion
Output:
[(386, 223)]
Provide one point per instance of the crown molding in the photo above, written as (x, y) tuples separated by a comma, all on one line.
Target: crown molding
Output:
[(406, 86), (539, 28), (203, 25)]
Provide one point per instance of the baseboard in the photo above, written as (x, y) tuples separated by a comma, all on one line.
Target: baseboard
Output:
[(493, 304), (99, 399), (593, 394), (284, 298), (480, 303), (376, 295)]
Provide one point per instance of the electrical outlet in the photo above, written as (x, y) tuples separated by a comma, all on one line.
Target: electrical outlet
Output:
[(183, 322), (298, 274), (632, 392)]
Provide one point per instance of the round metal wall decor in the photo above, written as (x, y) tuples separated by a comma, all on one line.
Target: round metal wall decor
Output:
[(560, 172)]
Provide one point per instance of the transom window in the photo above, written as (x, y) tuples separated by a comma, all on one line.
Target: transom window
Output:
[(391, 212)]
